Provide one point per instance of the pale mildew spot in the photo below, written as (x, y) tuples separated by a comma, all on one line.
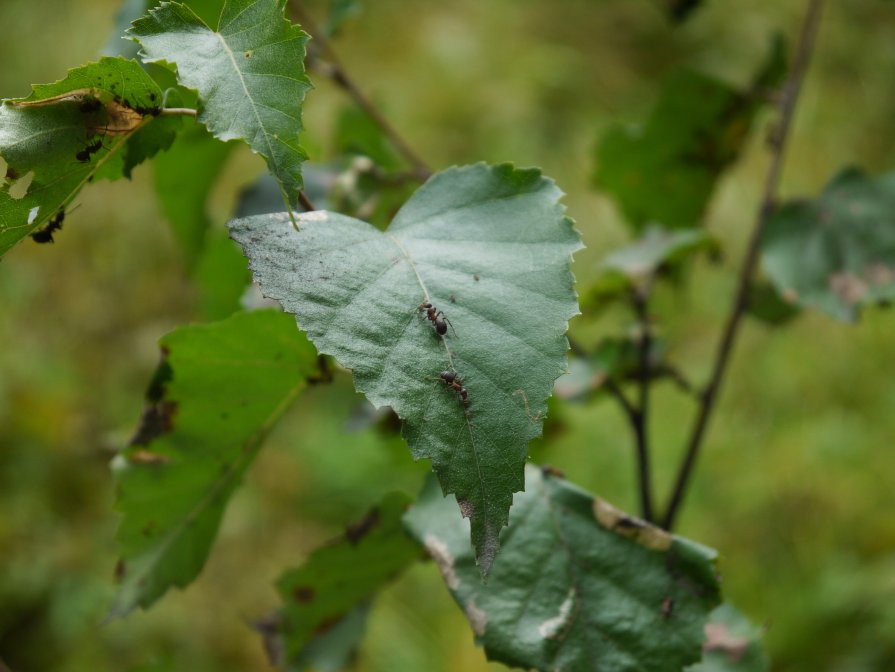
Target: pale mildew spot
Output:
[(639, 530), (313, 216), (19, 189), (848, 287), (443, 558), (554, 628), (719, 638), (879, 274), (790, 295), (466, 509), (477, 617)]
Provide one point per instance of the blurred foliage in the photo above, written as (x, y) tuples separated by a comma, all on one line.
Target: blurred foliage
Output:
[(664, 172), (835, 253), (796, 482)]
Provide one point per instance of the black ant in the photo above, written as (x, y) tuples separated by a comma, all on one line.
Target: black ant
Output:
[(84, 155), (453, 381), (439, 321), (45, 235)]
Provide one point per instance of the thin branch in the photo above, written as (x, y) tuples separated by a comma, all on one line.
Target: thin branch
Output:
[(787, 106), (629, 409), (305, 201), (333, 69), (640, 422), (676, 376)]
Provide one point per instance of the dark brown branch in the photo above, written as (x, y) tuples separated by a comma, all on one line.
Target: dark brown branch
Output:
[(640, 421), (305, 201), (332, 68), (787, 107)]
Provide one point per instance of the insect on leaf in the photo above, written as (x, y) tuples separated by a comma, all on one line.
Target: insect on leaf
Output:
[(69, 132), (488, 246)]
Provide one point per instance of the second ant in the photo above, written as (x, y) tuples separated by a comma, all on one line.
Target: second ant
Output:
[(453, 381)]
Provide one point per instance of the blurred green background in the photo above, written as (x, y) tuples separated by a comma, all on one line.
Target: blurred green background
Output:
[(796, 482)]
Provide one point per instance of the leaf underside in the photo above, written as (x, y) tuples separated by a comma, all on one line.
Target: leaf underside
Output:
[(835, 253), (249, 74), (578, 584), (489, 246), (217, 393)]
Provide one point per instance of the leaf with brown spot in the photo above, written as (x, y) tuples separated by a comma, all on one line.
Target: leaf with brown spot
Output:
[(342, 576), (578, 585), (229, 382), (732, 644), (836, 252), (66, 133)]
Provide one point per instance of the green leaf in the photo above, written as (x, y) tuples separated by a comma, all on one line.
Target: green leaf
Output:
[(665, 172), (184, 178), (835, 253), (339, 577), (489, 246), (340, 11), (765, 304), (249, 74), (578, 585), (263, 196), (219, 390), (732, 644), (635, 267), (131, 10), (616, 359), (680, 10), (221, 277), (66, 133), (333, 649), (357, 134)]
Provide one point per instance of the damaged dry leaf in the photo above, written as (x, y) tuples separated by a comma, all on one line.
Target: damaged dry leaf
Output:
[(578, 585)]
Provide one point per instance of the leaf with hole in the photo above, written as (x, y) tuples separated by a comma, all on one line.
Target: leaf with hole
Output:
[(836, 252), (578, 585), (488, 246), (219, 390), (64, 134), (249, 73)]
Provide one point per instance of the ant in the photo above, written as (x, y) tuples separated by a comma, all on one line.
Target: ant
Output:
[(439, 321), (45, 235), (453, 381), (84, 155)]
